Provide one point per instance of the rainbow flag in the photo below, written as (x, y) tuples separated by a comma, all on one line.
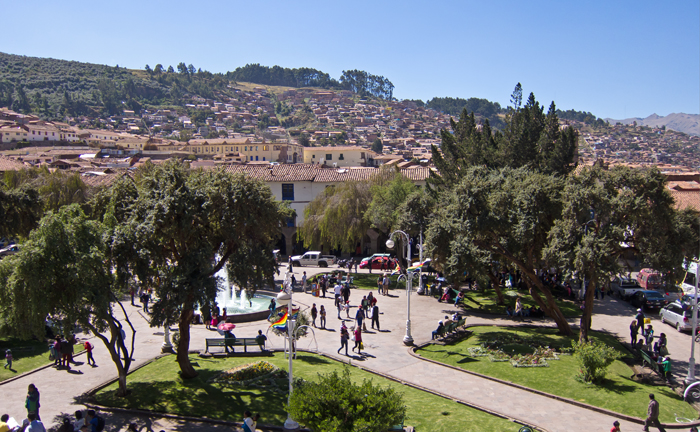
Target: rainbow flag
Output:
[(397, 270), (281, 324), (418, 266)]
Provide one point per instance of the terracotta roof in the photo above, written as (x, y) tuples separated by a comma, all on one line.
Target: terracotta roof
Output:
[(7, 164), (316, 173), (687, 199)]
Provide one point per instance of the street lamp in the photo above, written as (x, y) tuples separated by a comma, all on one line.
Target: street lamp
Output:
[(285, 298), (408, 339), (691, 361)]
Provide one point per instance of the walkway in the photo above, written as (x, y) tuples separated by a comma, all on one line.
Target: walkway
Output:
[(387, 355)]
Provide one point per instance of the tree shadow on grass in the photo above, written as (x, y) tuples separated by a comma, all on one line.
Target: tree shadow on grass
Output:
[(198, 398), (313, 360)]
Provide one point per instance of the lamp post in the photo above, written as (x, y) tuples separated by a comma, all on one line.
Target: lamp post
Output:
[(408, 339), (285, 297), (691, 361)]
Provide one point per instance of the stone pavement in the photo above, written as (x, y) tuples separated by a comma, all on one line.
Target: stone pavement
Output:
[(384, 353)]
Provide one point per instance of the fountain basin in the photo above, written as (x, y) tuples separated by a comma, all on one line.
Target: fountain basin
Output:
[(236, 313)]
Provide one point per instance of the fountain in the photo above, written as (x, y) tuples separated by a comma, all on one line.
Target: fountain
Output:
[(241, 308)]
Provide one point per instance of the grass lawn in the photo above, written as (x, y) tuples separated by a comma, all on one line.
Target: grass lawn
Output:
[(27, 355), (618, 392), (158, 387), (487, 302)]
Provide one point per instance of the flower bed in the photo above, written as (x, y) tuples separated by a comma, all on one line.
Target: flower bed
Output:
[(248, 374), (498, 356), (478, 351), (528, 360)]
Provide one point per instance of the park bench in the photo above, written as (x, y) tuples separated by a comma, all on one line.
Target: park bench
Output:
[(453, 327), (650, 362), (397, 427), (230, 342)]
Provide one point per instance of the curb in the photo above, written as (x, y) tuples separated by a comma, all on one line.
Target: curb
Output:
[(629, 418), (94, 390), (40, 368)]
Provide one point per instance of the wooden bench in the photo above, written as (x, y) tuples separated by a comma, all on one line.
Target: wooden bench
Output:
[(646, 359), (453, 326), (230, 342)]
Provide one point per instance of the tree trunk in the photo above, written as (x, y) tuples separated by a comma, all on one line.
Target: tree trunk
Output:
[(587, 316), (497, 287), (183, 346), (548, 305)]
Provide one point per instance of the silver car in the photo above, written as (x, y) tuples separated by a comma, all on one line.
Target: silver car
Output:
[(678, 316)]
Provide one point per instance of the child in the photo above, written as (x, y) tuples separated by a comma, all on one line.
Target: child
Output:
[(649, 335), (8, 359), (347, 308)]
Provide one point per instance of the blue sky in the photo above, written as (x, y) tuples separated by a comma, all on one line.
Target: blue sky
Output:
[(615, 58)]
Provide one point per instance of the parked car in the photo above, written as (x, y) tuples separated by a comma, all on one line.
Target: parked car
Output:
[(687, 300), (10, 250), (378, 263), (313, 258), (377, 255), (676, 315), (624, 287), (647, 299), (649, 279)]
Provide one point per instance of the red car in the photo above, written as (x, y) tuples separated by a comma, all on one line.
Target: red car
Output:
[(380, 263)]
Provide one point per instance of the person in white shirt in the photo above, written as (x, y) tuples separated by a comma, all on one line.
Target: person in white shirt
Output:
[(249, 422), (303, 282), (32, 424), (79, 421), (337, 290)]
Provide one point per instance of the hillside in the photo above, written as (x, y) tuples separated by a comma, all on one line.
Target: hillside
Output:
[(687, 123)]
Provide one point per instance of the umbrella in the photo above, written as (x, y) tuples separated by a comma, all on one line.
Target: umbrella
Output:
[(224, 326)]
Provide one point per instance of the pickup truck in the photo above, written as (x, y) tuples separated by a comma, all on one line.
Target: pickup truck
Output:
[(624, 287), (313, 258)]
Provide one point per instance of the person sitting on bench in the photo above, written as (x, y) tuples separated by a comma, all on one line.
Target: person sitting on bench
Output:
[(437, 332), (227, 337), (260, 340)]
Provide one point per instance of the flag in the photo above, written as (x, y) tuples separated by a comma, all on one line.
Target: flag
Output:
[(281, 323)]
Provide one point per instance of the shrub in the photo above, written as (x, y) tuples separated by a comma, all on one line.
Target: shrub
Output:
[(335, 403), (594, 358)]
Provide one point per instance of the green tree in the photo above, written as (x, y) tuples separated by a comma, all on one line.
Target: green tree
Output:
[(389, 190), (337, 404), (65, 271), (506, 213), (594, 358), (377, 146), (304, 140), (337, 216), (184, 226), (608, 213)]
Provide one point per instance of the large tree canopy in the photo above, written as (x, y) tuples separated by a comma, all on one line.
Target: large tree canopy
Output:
[(64, 271), (183, 226), (505, 213), (609, 212), (530, 139)]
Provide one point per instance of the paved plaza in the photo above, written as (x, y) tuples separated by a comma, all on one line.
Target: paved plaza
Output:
[(386, 354)]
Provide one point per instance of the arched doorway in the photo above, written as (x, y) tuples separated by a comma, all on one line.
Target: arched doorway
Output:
[(281, 244)]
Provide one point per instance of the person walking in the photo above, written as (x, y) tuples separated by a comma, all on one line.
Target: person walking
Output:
[(291, 264), (32, 402), (303, 281), (8, 359), (344, 336), (88, 348), (314, 314), (375, 316), (132, 292), (380, 284), (653, 415), (360, 318), (322, 313), (338, 292), (634, 331), (358, 340), (640, 320), (386, 283)]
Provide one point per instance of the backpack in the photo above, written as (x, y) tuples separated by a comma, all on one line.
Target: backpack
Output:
[(100, 424)]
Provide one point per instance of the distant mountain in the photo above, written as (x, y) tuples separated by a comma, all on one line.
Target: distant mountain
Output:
[(686, 123)]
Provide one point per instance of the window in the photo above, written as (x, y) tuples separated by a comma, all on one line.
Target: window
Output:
[(329, 156), (291, 222), (287, 192), (256, 149), (236, 148), (246, 149), (341, 157), (263, 158), (256, 158), (264, 148)]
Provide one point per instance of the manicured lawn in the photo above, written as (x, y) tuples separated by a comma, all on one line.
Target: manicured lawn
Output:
[(618, 392), (27, 355), (158, 387), (486, 301)]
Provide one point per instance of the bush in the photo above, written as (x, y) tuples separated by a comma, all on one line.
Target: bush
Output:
[(594, 358), (335, 403)]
